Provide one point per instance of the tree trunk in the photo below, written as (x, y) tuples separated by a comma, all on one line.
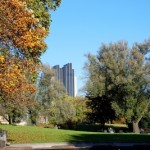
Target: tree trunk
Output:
[(135, 123), (136, 127), (10, 119)]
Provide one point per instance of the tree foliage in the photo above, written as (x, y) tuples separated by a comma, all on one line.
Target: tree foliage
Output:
[(81, 110), (62, 110), (120, 75), (68, 111), (20, 29), (22, 32), (54, 105), (48, 87), (49, 90), (24, 25)]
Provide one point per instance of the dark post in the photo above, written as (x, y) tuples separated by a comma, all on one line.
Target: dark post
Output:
[(3, 138)]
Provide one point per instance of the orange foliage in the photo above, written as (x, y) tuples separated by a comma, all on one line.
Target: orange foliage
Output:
[(20, 29), (14, 84), (21, 32), (121, 120)]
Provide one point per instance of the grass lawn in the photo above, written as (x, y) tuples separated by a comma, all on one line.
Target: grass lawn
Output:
[(28, 134)]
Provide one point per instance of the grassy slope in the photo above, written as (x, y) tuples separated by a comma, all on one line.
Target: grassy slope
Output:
[(27, 134)]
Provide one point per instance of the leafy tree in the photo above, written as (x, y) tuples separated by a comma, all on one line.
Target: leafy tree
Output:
[(49, 90), (23, 28), (20, 29), (79, 104), (145, 121), (103, 112), (62, 110), (68, 111), (12, 114), (41, 10), (24, 24), (99, 101), (56, 107), (119, 75), (16, 85)]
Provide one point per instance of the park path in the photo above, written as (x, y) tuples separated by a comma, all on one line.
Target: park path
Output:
[(87, 146)]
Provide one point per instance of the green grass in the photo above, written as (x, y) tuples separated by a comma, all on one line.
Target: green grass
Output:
[(28, 134), (116, 125)]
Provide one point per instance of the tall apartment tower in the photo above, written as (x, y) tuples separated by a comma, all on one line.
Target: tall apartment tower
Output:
[(66, 76)]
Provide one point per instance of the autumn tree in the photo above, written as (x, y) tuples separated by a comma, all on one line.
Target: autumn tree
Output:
[(16, 85), (23, 28), (24, 24), (118, 80)]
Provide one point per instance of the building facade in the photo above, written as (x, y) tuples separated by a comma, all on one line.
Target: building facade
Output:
[(66, 76)]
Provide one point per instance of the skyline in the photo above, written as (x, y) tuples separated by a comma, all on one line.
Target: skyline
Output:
[(81, 26)]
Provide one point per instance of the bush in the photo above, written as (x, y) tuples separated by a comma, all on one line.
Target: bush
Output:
[(100, 128), (89, 127), (46, 125), (118, 128), (145, 123)]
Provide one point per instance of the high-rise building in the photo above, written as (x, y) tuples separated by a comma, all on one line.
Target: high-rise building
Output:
[(66, 76)]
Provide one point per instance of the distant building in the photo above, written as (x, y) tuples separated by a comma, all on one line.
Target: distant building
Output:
[(66, 76)]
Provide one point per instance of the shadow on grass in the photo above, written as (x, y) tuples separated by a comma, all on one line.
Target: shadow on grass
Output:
[(125, 138), (112, 141)]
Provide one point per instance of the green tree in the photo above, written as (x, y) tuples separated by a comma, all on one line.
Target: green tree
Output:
[(145, 121), (119, 77), (49, 90), (41, 9), (68, 111), (62, 110), (11, 114), (97, 91), (79, 104)]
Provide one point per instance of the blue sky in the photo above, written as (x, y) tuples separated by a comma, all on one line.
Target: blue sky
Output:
[(81, 26)]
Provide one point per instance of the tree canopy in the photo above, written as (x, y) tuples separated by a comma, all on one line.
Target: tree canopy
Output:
[(24, 25), (118, 81)]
